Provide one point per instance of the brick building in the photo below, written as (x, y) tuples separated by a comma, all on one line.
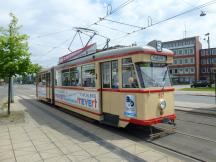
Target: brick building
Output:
[(207, 64), (185, 68)]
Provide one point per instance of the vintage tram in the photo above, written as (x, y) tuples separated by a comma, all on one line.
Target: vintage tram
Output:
[(116, 86)]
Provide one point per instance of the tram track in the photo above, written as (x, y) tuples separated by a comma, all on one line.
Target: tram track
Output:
[(166, 148), (190, 121), (175, 151), (136, 138), (194, 136)]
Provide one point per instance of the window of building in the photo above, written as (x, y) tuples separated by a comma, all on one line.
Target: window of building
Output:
[(203, 70), (129, 79), (214, 60), (180, 61), (192, 70), (75, 75), (175, 61), (185, 51), (191, 60), (180, 51), (180, 71), (88, 75), (186, 61), (176, 71), (214, 52), (65, 77), (187, 79), (186, 70), (170, 71), (191, 51), (203, 61), (174, 51)]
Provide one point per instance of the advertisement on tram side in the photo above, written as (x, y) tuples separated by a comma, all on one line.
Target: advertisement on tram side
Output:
[(87, 99), (130, 106)]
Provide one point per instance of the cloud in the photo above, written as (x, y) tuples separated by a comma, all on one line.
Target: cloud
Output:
[(53, 16)]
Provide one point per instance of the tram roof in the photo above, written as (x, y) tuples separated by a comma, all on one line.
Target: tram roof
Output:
[(115, 52)]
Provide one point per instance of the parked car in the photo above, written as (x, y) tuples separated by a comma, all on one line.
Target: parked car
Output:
[(201, 83)]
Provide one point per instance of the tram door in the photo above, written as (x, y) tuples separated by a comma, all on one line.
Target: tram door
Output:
[(48, 88), (109, 84)]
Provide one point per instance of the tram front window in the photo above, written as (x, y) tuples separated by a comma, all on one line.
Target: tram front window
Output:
[(153, 75)]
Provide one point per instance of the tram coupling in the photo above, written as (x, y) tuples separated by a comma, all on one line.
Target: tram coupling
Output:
[(158, 132)]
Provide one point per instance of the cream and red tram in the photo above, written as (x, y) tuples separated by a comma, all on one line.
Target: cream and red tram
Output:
[(117, 86)]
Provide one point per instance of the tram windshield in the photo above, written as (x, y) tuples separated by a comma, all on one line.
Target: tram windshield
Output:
[(153, 75)]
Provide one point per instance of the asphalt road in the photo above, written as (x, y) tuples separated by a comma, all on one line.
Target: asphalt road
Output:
[(195, 134), (3, 93), (195, 99)]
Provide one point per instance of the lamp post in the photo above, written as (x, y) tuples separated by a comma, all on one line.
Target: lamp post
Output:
[(209, 57)]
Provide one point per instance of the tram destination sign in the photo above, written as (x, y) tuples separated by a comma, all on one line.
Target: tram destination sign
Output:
[(78, 53), (158, 58)]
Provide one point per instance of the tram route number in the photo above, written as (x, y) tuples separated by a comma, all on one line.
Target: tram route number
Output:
[(130, 106)]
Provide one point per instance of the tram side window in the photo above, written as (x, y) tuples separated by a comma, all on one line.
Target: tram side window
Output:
[(129, 79), (39, 80), (106, 67), (48, 79), (65, 77), (58, 80), (88, 75), (115, 81), (75, 75), (43, 79)]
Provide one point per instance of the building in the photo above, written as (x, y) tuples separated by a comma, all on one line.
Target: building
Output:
[(185, 68), (207, 64)]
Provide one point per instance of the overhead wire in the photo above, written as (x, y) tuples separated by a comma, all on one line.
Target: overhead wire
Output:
[(111, 28), (164, 20)]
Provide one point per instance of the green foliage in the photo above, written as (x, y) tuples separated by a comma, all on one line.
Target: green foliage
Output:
[(208, 89), (14, 51)]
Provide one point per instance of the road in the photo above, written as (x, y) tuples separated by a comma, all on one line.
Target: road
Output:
[(195, 134), (195, 99)]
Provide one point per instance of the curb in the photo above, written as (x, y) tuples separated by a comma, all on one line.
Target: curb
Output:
[(194, 110), (209, 95)]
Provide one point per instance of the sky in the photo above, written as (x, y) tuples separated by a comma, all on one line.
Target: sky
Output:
[(50, 24)]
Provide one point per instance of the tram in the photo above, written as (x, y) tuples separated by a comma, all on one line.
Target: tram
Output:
[(116, 86)]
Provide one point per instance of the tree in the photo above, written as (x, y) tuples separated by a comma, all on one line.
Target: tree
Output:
[(14, 54)]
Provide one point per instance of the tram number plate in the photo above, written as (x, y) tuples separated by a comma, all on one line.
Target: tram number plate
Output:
[(165, 120)]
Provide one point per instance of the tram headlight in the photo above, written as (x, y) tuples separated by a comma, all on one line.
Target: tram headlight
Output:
[(162, 104)]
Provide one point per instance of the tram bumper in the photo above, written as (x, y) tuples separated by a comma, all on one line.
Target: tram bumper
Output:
[(168, 121)]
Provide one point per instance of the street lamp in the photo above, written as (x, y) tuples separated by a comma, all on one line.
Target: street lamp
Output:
[(202, 13), (209, 57)]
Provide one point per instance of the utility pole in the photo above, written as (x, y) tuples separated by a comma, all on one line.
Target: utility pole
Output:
[(209, 57)]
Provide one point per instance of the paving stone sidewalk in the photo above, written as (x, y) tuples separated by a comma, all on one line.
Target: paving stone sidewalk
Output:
[(41, 137)]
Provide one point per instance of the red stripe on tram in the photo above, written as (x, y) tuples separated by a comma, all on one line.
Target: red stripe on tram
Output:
[(150, 121), (139, 90)]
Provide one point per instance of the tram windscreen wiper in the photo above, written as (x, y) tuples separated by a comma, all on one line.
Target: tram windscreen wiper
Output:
[(164, 77)]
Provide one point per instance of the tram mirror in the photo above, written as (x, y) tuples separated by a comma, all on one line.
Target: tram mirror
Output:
[(130, 80)]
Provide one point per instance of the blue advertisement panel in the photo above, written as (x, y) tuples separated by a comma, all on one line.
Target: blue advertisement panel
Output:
[(130, 106)]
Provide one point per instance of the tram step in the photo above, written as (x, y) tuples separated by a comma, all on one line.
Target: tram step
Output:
[(110, 119)]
